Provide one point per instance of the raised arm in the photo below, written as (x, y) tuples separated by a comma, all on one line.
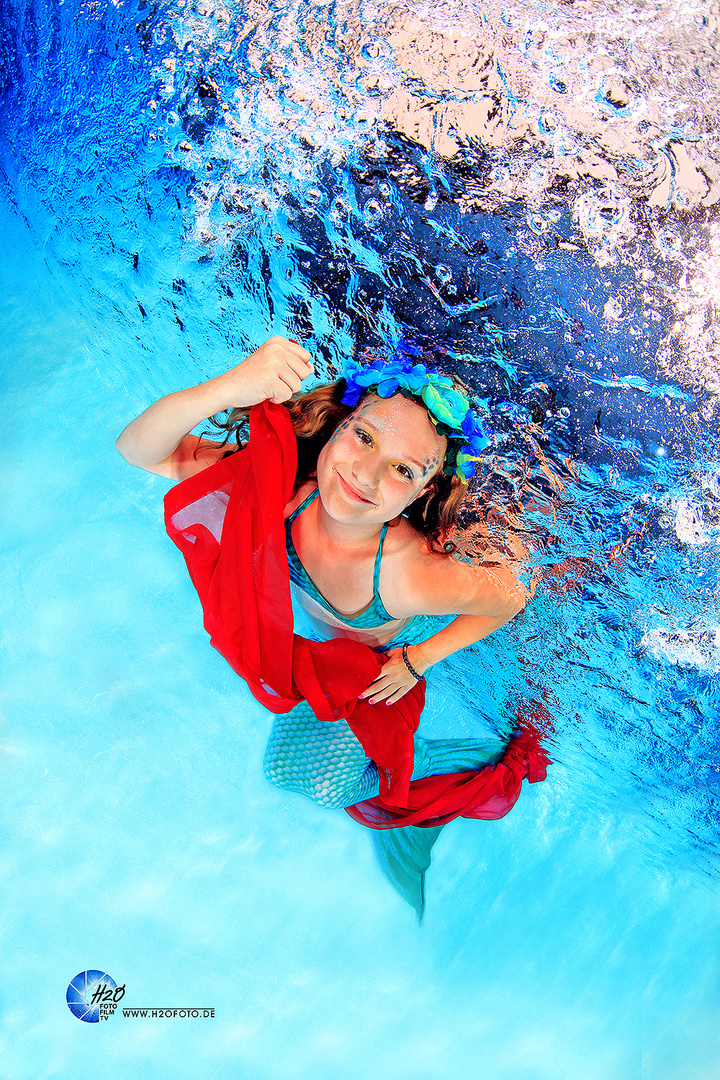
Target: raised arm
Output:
[(158, 439)]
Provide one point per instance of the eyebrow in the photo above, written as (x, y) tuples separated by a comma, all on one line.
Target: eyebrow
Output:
[(414, 461)]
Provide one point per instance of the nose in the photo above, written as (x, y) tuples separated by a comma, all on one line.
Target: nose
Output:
[(365, 471)]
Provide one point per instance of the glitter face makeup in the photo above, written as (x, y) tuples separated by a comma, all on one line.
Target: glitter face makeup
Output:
[(379, 460)]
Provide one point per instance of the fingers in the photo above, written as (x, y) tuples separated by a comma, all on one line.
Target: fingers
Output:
[(387, 688), (396, 696), (290, 364), (390, 695), (298, 360), (296, 348), (286, 384)]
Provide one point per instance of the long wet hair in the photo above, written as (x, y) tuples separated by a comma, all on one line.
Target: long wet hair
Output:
[(315, 416)]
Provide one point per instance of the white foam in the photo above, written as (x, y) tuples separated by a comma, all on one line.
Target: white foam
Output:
[(612, 310), (685, 648), (690, 524)]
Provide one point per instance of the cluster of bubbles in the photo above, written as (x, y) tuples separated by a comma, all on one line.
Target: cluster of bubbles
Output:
[(610, 123)]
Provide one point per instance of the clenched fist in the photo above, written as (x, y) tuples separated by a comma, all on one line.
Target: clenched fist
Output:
[(274, 372)]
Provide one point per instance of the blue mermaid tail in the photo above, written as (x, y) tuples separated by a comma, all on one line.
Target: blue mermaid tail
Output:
[(326, 763), (404, 857)]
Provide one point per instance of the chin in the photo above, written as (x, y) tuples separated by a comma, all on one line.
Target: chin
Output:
[(338, 504)]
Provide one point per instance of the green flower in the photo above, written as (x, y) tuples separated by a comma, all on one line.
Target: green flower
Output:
[(449, 406)]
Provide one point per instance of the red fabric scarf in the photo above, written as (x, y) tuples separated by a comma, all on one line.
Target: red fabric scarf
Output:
[(228, 522)]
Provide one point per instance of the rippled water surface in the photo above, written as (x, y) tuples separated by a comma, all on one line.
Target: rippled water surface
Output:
[(531, 192)]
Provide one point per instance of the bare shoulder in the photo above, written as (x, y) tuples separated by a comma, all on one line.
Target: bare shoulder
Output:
[(415, 580), (407, 563), (299, 496)]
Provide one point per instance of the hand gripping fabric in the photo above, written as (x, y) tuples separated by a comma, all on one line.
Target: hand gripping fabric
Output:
[(228, 523)]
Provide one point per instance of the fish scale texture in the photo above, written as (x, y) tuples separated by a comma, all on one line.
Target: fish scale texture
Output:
[(325, 762)]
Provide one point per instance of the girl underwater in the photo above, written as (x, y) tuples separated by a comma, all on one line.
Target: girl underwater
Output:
[(319, 553)]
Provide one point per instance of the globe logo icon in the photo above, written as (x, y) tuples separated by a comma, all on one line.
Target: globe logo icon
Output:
[(90, 993)]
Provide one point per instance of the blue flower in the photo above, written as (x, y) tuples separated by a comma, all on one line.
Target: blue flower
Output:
[(468, 424), (387, 387)]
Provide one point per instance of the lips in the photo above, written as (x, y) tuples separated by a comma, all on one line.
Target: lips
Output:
[(351, 490)]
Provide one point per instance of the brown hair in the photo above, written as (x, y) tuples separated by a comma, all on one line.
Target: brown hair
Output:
[(315, 416)]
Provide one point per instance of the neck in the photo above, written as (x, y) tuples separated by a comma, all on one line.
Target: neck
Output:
[(344, 533)]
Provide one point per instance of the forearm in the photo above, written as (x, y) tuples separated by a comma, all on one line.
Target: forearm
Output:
[(462, 631), (395, 678), (154, 435), (155, 440)]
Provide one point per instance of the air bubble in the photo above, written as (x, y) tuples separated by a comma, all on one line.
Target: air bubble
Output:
[(371, 50), (670, 243), (605, 217), (617, 93), (538, 224), (612, 310), (500, 176), (565, 144)]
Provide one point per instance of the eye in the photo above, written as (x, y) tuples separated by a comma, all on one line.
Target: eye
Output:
[(363, 436), (406, 472)]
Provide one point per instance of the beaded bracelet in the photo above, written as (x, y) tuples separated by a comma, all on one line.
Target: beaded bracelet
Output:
[(409, 666)]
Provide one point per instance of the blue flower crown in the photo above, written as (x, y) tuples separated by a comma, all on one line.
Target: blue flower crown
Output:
[(447, 407)]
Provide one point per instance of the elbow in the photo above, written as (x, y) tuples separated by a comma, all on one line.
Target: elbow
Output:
[(120, 446), (515, 600), (124, 447), (523, 594), (520, 592), (517, 603), (127, 449)]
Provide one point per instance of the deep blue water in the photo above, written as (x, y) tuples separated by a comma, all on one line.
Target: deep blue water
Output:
[(150, 238)]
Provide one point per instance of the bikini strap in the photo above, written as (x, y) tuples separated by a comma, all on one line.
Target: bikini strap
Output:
[(378, 558), (303, 505)]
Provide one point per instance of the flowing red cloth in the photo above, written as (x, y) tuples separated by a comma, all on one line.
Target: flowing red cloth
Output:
[(228, 522), (487, 794)]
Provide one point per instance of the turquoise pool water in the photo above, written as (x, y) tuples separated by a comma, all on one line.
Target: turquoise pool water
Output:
[(179, 182)]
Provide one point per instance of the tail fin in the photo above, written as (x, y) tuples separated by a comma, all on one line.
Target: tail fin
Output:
[(404, 855)]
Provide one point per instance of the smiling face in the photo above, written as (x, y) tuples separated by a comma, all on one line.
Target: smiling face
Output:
[(379, 460)]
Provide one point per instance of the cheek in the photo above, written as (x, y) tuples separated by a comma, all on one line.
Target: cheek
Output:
[(339, 445), (399, 492)]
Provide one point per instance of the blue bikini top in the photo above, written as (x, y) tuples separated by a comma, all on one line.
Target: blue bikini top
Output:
[(370, 617)]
